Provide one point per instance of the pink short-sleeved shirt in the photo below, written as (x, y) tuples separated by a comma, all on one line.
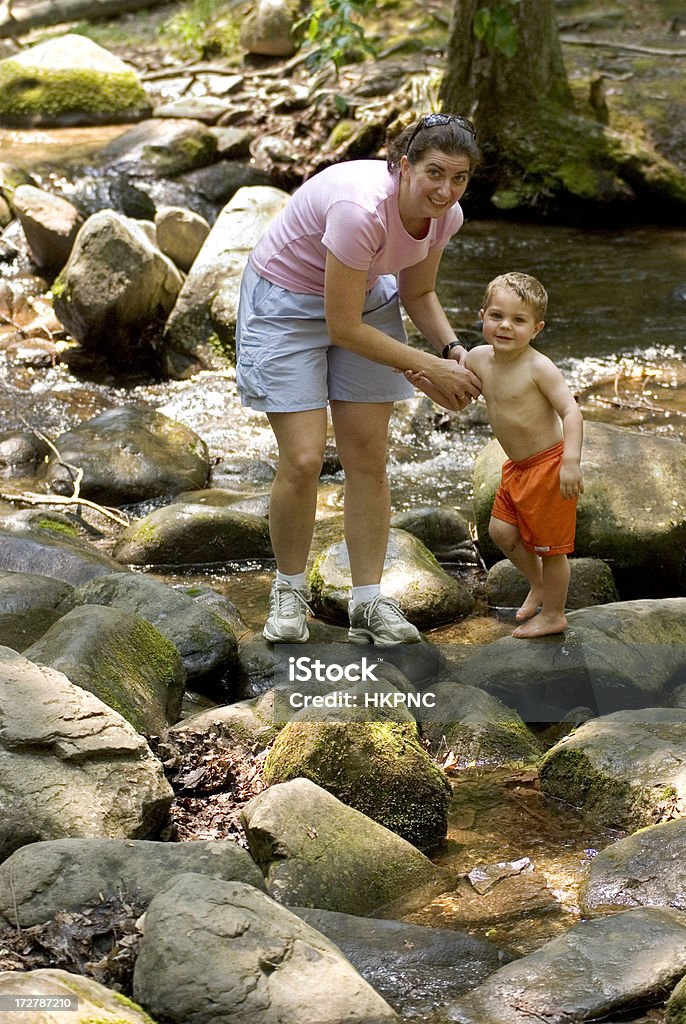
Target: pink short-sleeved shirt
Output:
[(351, 210)]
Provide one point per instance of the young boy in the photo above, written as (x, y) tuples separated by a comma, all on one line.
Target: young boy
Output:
[(536, 420)]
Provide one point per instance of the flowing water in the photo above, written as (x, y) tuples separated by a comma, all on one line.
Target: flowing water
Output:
[(616, 326)]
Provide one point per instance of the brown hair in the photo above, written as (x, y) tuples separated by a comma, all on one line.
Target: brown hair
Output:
[(529, 290), (449, 138)]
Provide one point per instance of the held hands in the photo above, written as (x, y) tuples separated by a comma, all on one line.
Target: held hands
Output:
[(449, 385), (571, 480)]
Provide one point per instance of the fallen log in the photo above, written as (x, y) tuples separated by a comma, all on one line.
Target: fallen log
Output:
[(18, 19)]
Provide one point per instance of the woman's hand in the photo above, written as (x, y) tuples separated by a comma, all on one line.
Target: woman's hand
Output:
[(457, 384), (419, 379)]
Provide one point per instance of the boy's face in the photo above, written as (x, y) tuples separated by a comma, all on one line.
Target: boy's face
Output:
[(508, 322)]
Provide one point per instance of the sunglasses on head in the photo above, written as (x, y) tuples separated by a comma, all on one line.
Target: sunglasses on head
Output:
[(439, 120)]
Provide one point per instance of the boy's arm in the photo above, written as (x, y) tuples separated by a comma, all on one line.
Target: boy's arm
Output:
[(552, 384)]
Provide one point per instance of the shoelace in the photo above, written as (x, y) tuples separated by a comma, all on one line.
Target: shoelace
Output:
[(374, 604), (287, 600)]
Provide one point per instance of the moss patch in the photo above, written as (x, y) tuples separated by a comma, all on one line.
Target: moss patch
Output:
[(30, 93)]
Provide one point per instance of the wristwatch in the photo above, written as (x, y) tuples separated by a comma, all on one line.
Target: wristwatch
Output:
[(447, 348)]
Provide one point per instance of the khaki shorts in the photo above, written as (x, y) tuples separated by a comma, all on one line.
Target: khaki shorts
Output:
[(285, 361)]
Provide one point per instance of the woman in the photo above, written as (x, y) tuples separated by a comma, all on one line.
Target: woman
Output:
[(319, 322)]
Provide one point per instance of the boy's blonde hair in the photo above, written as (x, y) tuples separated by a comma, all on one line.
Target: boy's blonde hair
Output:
[(529, 290)]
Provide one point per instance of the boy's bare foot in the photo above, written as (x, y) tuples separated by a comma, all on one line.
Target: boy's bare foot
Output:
[(529, 608), (541, 625)]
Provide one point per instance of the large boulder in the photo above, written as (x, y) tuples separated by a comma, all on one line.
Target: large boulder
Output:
[(200, 333), (593, 970), (70, 766), (591, 582), (128, 455), (442, 529), (316, 852), (214, 950), (411, 576), (180, 234), (42, 879), (85, 1000), (120, 658), (51, 552), (116, 291), (69, 80), (612, 657), (269, 28), (159, 147), (625, 770), (634, 521), (186, 534), (247, 723), (205, 641), (647, 868), (377, 767)]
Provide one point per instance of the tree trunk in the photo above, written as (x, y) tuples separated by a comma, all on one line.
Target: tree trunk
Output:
[(540, 153), (18, 19)]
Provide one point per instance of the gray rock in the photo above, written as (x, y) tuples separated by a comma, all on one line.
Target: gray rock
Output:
[(204, 640), (592, 970), (180, 234), (630, 520), (185, 534), (41, 879), (246, 723), (591, 583), (417, 970), (412, 576), (24, 591), (216, 950), (120, 658), (20, 450), (625, 770), (161, 147), (316, 852), (115, 290), (443, 530), (476, 728), (647, 868), (69, 766), (90, 1000), (50, 224), (207, 109), (268, 29), (200, 333), (128, 455), (675, 1010), (53, 553)]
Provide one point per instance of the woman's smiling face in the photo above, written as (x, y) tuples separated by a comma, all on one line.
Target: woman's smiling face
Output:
[(434, 183)]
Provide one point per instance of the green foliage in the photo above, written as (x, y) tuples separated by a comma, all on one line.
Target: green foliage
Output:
[(332, 27), (496, 27), (201, 31)]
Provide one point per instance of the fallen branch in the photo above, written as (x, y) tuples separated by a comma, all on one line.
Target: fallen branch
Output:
[(31, 498), (651, 51)]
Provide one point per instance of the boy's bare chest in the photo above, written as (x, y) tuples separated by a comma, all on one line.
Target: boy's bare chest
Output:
[(510, 386)]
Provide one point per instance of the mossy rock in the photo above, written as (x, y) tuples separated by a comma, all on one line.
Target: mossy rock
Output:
[(377, 768), (69, 81), (675, 1010)]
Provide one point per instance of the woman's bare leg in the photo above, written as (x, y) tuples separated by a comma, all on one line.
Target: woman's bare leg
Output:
[(301, 437), (361, 430)]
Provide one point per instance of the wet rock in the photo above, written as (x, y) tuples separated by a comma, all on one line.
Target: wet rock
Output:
[(268, 29), (223, 950), (52, 552), (261, 667), (205, 642), (412, 577), (120, 658), (50, 225), (471, 727), (630, 654), (69, 80), (594, 969), (591, 583), (200, 333), (91, 1000), (417, 970), (180, 234), (624, 770), (23, 591), (645, 869), (218, 604), (184, 534), (128, 455), (58, 740), (116, 290), (316, 852), (675, 1010), (381, 771), (443, 530), (161, 148), (633, 521), (41, 879)]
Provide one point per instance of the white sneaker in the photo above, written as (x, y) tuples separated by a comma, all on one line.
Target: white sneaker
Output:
[(380, 621), (287, 621)]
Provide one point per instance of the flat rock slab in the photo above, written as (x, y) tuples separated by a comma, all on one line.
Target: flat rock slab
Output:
[(91, 1001)]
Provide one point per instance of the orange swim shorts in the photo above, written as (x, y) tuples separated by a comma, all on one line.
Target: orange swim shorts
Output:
[(529, 497)]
